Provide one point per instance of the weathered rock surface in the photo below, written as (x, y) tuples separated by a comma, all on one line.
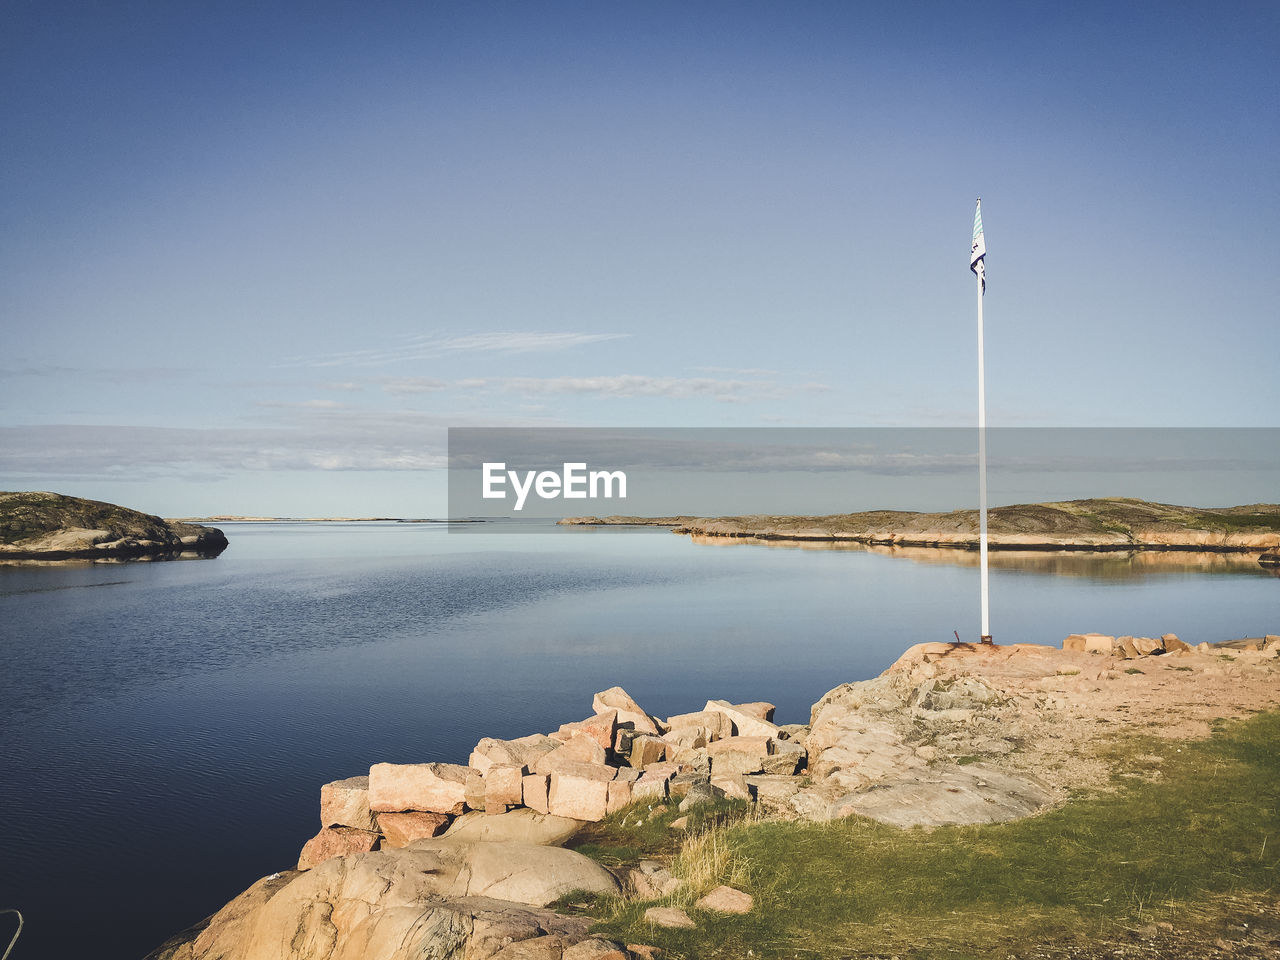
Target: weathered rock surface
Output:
[(522, 824), (51, 526), (726, 900), (669, 917), (402, 829), (345, 803), (628, 712), (522, 752), (435, 787), (949, 734), (436, 898), (336, 842)]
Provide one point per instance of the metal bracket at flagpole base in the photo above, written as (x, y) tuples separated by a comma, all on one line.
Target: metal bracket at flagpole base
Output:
[(986, 638)]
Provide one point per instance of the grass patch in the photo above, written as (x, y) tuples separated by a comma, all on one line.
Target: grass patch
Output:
[(1183, 669), (1067, 673), (643, 830), (1134, 670), (1143, 850), (1227, 657)]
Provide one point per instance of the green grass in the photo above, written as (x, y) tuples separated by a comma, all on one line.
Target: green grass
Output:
[(1148, 848), (622, 838), (1133, 670)]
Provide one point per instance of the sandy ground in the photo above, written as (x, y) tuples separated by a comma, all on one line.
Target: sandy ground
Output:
[(1061, 710)]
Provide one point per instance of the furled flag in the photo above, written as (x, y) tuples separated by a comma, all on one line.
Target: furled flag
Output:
[(979, 251)]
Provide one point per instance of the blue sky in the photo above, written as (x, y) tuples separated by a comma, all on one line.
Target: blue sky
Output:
[(258, 257)]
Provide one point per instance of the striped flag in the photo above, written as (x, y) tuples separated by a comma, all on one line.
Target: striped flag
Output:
[(979, 249)]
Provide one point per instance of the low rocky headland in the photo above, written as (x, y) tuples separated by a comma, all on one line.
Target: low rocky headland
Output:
[(476, 861), (1100, 524), (41, 526)]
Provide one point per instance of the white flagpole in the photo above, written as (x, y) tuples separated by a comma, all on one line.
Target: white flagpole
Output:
[(982, 472)]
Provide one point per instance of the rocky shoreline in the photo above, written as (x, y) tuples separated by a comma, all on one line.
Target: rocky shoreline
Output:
[(1111, 524), (463, 860), (50, 527)]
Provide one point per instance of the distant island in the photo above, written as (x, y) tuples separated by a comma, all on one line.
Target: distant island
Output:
[(1112, 523), (50, 526)]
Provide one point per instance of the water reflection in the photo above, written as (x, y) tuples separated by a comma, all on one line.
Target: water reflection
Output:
[(1095, 565)]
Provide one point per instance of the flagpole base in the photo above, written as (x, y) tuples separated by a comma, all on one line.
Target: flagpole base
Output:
[(986, 638)]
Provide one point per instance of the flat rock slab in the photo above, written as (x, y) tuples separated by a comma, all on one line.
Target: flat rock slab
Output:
[(669, 917), (522, 824), (435, 787), (726, 900), (947, 794)]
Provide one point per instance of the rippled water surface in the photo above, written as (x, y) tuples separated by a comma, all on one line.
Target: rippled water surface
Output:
[(165, 727)]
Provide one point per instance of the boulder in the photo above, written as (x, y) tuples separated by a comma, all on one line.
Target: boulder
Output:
[(756, 746), (726, 900), (701, 792), (524, 751), (619, 795), (627, 710), (736, 761), (336, 842), (1147, 646), (691, 760), (578, 747), (473, 789), (533, 948), (345, 803), (1088, 643), (521, 824), (669, 917), (713, 723), (503, 786), (794, 733), (1126, 647), (579, 795), (600, 728), (595, 949), (687, 737), (1172, 644), (732, 785), (534, 789), (787, 758), (652, 784), (437, 898), (759, 709), (744, 724), (682, 783), (401, 829), (774, 793), (436, 787), (646, 750), (650, 879)]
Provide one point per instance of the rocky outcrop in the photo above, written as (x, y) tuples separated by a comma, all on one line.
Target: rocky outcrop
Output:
[(435, 899), (1109, 524), (949, 734), (50, 527)]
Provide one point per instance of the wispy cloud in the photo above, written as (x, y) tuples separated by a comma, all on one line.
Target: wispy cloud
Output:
[(397, 386), (301, 404), (675, 388), (430, 346)]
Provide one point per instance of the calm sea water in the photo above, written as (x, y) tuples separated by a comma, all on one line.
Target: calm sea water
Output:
[(165, 728)]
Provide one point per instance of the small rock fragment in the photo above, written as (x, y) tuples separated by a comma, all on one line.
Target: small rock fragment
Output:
[(669, 917)]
